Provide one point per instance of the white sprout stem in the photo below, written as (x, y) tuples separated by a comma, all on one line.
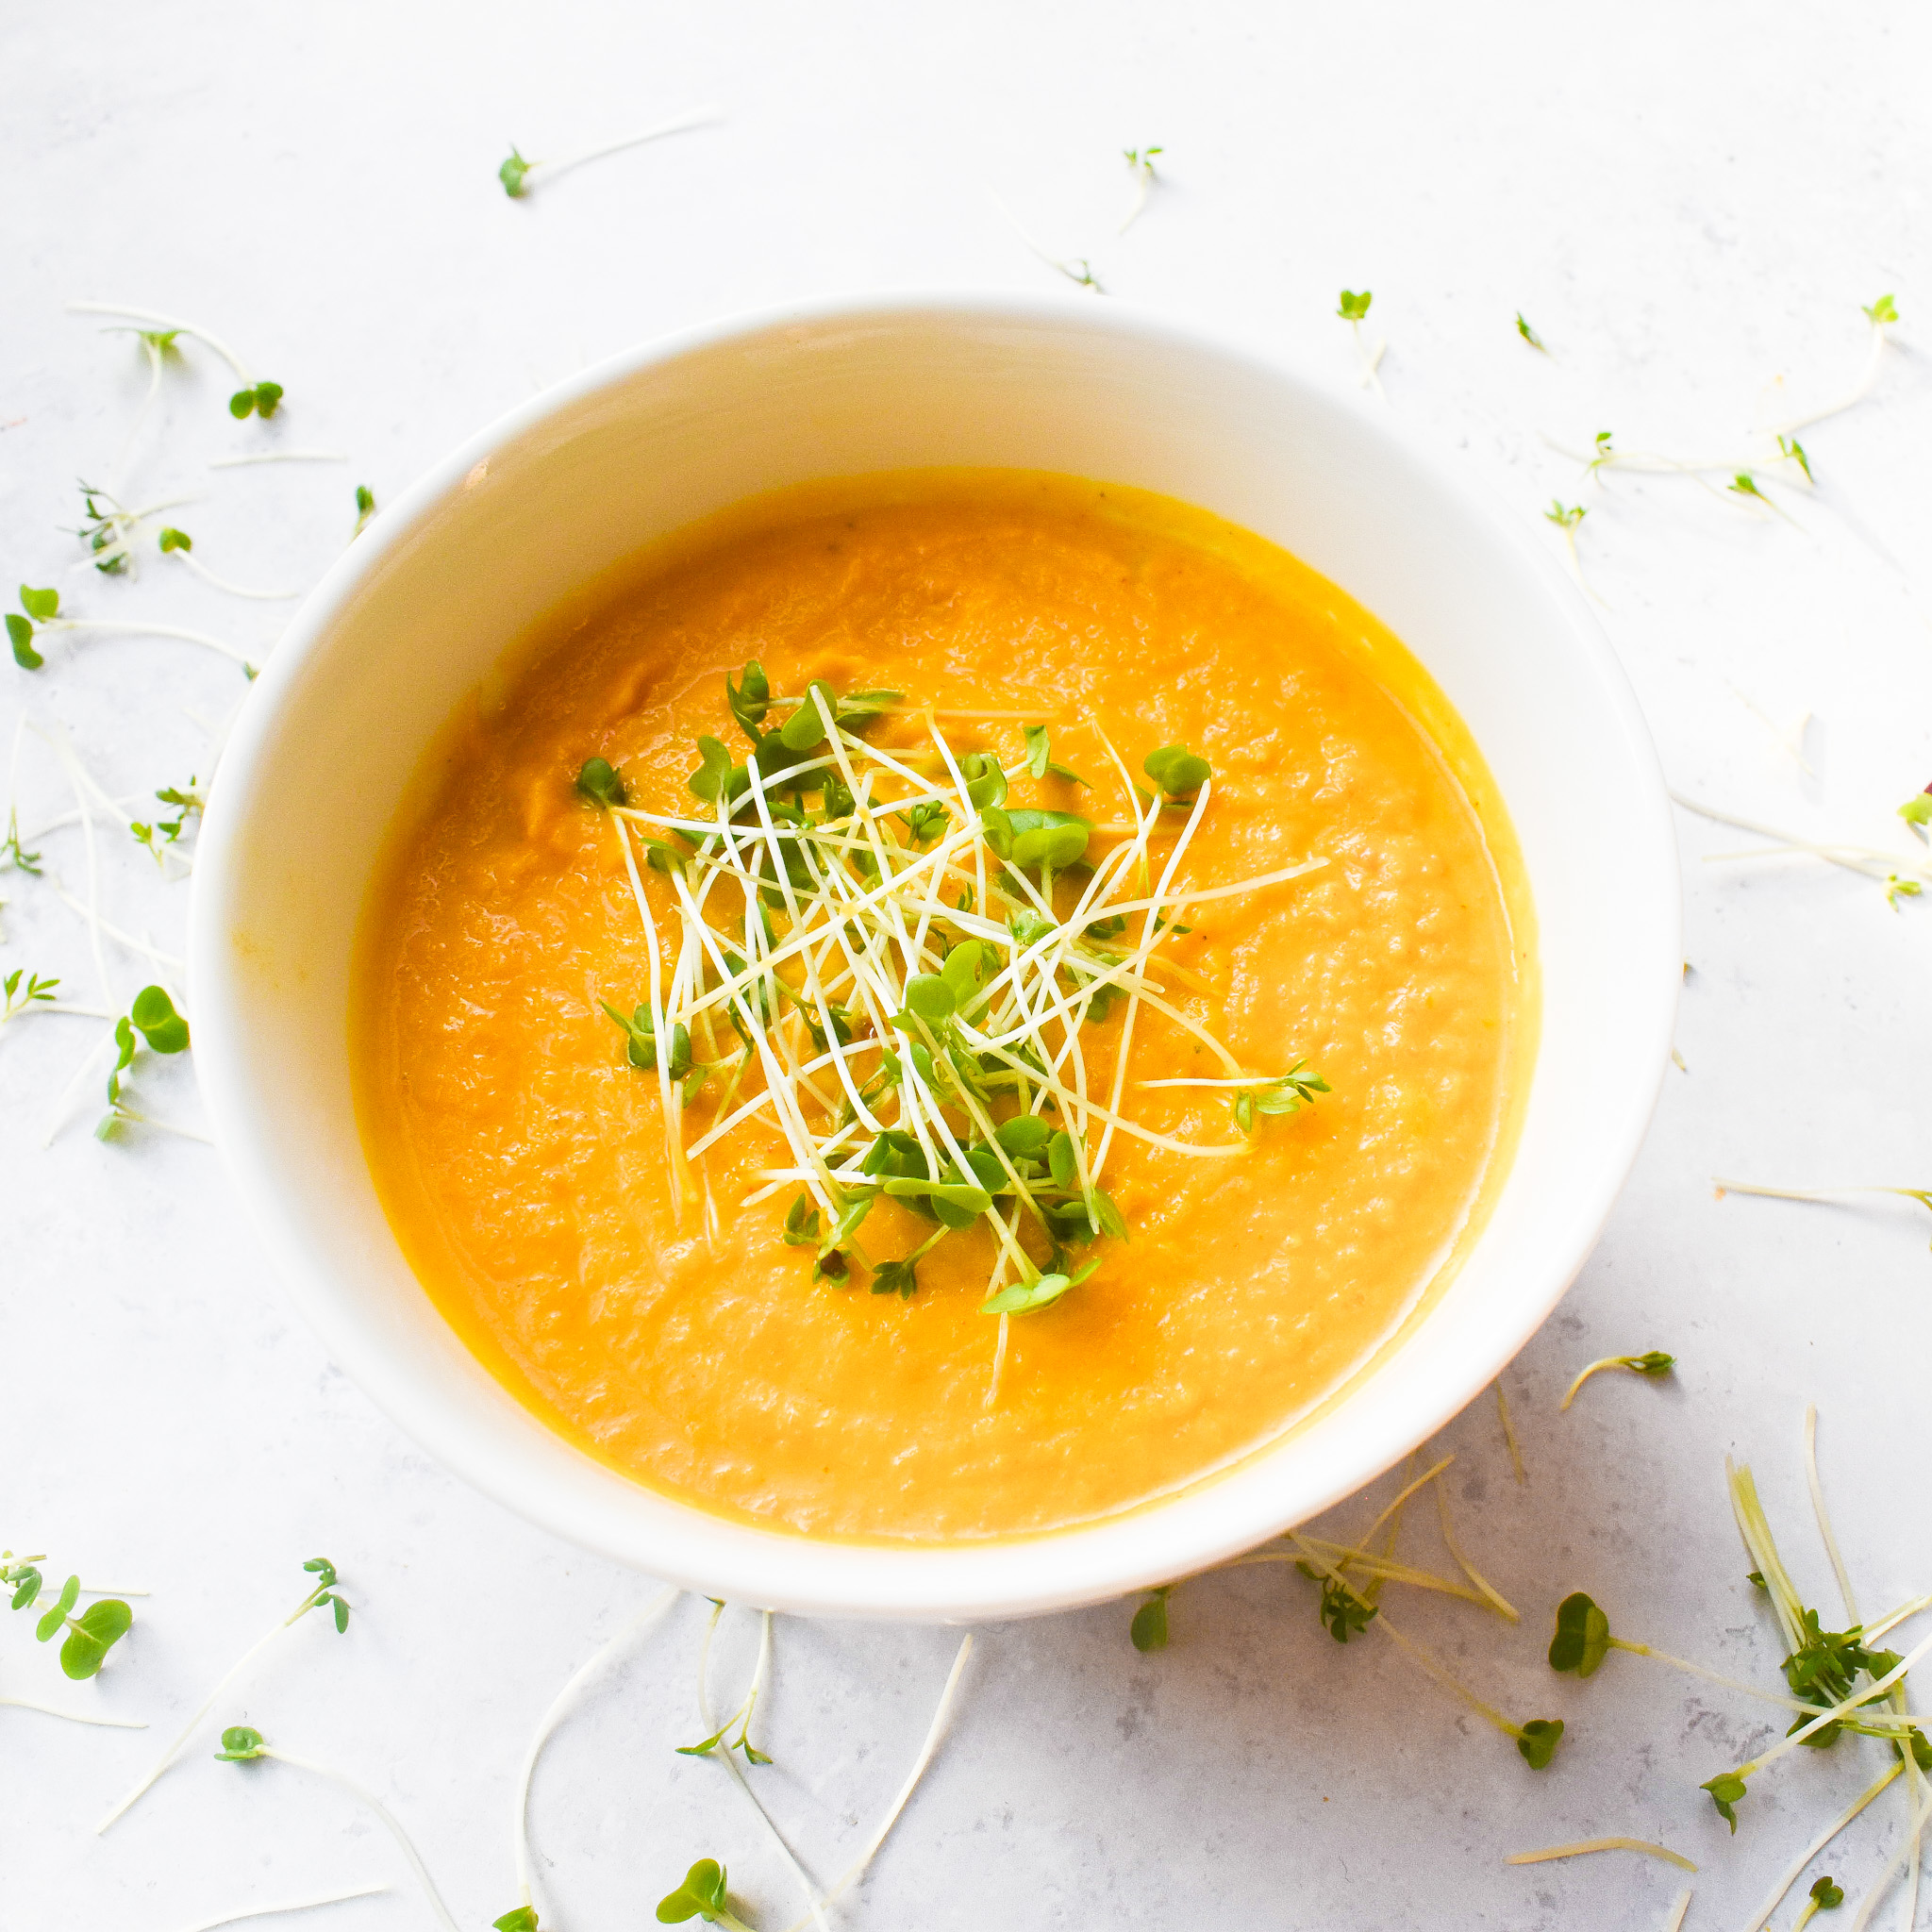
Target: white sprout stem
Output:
[(1880, 1625), (73, 1717), (68, 1007), (208, 1704), (128, 627), (169, 322), (559, 1705), (1509, 1432), (660, 1028), (1869, 861), (1755, 1527), (814, 1904), (1711, 1676), (288, 1904), (1382, 1568), (1595, 1368), (388, 1820), (1586, 1846), (118, 474), (1402, 1496), (682, 124), (1796, 1869), (64, 1108), (1142, 173), (1825, 1533), (1855, 395), (1921, 1813), (935, 1731), (1469, 1569), (162, 962), (207, 576), (78, 780), (1678, 1911), (278, 456)]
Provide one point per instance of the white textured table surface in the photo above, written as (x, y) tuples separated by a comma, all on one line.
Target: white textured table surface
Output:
[(1688, 204)]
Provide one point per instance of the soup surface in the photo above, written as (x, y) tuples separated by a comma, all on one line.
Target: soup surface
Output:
[(645, 1302)]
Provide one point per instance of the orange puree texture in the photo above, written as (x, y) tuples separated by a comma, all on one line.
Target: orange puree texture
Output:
[(522, 1163)]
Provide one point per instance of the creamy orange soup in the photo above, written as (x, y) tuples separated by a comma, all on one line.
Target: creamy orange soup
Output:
[(668, 1327)]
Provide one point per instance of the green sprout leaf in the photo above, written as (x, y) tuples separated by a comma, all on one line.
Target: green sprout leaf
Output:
[(701, 1896), (171, 539), (1793, 452), (1583, 1635), (1725, 1791), (750, 698), (1024, 1137), (240, 1742), (717, 777), (20, 634), (511, 174), (1538, 1741), (1565, 516), (1355, 308), (928, 997), (806, 727), (896, 1277), (1827, 1895), (263, 399), (51, 1623), (1528, 334), (986, 781), (1149, 1627), (1026, 1297), (160, 1024), (926, 821), (524, 1919), (601, 783), (1178, 772), (92, 1634), (1917, 809), (1746, 484), (365, 509), (801, 1230), (1343, 1612), (1882, 311), (1652, 1363), (41, 605)]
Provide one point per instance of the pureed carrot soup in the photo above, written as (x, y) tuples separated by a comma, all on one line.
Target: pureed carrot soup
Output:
[(945, 1005)]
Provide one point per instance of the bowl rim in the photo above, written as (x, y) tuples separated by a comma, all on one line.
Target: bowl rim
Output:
[(951, 1591)]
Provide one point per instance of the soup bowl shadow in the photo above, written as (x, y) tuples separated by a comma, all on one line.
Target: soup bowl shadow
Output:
[(427, 601)]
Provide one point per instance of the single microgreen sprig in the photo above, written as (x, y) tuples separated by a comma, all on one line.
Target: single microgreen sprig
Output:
[(164, 1030), (1295, 1090), (22, 991), (1653, 1362), (178, 542), (1567, 518), (322, 1593), (89, 1636), (365, 509), (160, 834), (1824, 1896), (1139, 162), (1917, 812), (1528, 334), (244, 1744), (702, 1895), (1039, 757), (41, 609), (1354, 309), (1148, 1631), (518, 176)]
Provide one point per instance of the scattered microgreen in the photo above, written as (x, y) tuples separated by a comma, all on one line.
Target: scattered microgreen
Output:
[(365, 509), (1528, 334), (154, 1020), (1824, 1896), (1746, 484), (702, 1895), (1792, 451), (12, 851), (89, 1636), (1654, 1364), (157, 836), (1583, 1635), (241, 1745), (42, 607), (515, 173), (257, 399), (519, 1919), (1917, 810), (1139, 162), (1537, 1741), (1355, 308), (1149, 1627), (21, 990), (1180, 773), (1726, 1790), (1882, 311), (1566, 516), (1040, 757)]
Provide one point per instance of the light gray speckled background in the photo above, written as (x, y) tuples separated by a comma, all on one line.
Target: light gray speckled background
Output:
[(1687, 201)]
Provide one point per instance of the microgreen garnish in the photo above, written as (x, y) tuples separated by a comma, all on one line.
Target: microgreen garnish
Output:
[(1294, 1091), (365, 509), (1354, 309), (1881, 311), (19, 1001), (1899, 877), (1149, 1627), (253, 397), (1792, 451), (915, 963), (1528, 334), (89, 1636), (701, 1896), (1139, 162), (516, 172), (1583, 1635), (1654, 1362), (42, 614), (600, 783), (320, 1594), (158, 836), (1824, 1896), (244, 1744), (1917, 811)]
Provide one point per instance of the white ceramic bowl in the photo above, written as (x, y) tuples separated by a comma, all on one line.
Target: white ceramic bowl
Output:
[(420, 607)]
